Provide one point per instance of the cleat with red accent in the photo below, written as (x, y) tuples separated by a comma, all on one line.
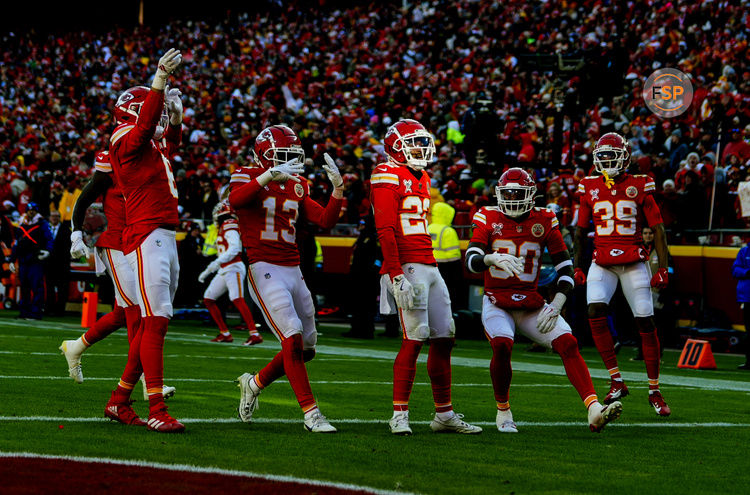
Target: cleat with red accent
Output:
[(253, 339), (600, 415), (223, 338), (657, 401), (162, 422), (617, 390), (122, 413)]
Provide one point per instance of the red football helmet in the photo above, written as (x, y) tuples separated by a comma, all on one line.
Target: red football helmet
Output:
[(515, 192), (128, 107), (611, 154), (276, 145), (222, 212), (407, 142)]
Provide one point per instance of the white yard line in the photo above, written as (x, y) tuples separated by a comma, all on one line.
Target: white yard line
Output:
[(206, 470), (546, 424)]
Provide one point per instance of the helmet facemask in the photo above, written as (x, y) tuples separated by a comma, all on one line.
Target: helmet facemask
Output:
[(610, 160), (279, 156), (514, 199), (418, 149)]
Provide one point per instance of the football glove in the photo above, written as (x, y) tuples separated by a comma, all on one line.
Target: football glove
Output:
[(547, 318), (509, 264), (286, 171), (174, 105), (78, 248), (403, 292), (43, 254), (579, 276), (212, 267), (167, 64), (660, 280), (12, 267), (333, 171)]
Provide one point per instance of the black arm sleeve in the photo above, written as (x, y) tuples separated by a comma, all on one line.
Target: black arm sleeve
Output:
[(96, 187), (475, 257)]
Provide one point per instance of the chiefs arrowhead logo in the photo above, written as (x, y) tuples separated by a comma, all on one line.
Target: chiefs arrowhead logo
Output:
[(616, 252), (518, 297)]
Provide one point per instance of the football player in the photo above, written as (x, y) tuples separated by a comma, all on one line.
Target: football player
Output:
[(230, 276), (269, 199), (620, 205), (148, 132), (410, 281), (108, 257), (507, 243)]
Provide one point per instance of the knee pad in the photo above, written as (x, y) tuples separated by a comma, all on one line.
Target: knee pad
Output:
[(422, 332), (565, 345), (643, 309)]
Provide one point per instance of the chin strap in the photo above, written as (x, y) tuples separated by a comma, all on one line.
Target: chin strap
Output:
[(607, 181)]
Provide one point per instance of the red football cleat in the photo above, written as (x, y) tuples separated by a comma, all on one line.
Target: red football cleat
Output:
[(122, 413), (223, 338), (657, 401), (617, 390), (253, 339), (162, 422)]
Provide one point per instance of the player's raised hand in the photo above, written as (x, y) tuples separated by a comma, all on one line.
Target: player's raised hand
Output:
[(167, 64), (333, 171), (403, 292), (174, 105), (286, 171), (547, 318), (512, 265), (78, 248)]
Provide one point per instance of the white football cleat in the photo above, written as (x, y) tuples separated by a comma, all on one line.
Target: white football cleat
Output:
[(399, 423), (600, 415), (249, 393), (72, 350), (166, 390), (504, 421), (454, 424), (317, 423)]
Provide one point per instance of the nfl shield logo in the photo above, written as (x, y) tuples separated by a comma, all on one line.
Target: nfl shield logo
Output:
[(519, 228)]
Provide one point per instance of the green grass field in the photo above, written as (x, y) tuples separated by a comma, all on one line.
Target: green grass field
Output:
[(701, 448)]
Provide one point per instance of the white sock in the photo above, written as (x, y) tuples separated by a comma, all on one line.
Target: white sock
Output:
[(444, 416)]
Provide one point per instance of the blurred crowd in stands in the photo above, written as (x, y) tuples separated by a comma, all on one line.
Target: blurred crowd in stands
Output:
[(483, 76)]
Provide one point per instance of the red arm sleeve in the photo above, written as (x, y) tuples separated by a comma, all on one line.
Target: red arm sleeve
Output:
[(651, 211), (385, 204), (242, 196), (173, 135), (143, 131), (323, 217)]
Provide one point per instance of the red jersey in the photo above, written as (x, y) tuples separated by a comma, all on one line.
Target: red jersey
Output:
[(114, 207), (144, 173), (619, 213), (401, 201), (268, 215), (221, 241), (525, 237)]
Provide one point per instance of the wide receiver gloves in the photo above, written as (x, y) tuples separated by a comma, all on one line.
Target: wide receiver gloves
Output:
[(333, 171), (174, 105), (547, 318), (78, 248), (167, 64), (403, 292), (505, 262), (212, 267)]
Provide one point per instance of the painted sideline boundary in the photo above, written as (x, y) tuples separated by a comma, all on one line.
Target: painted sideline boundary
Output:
[(203, 470)]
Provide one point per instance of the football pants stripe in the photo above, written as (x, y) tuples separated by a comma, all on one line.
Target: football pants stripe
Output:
[(239, 284), (141, 283), (263, 307), (116, 279)]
